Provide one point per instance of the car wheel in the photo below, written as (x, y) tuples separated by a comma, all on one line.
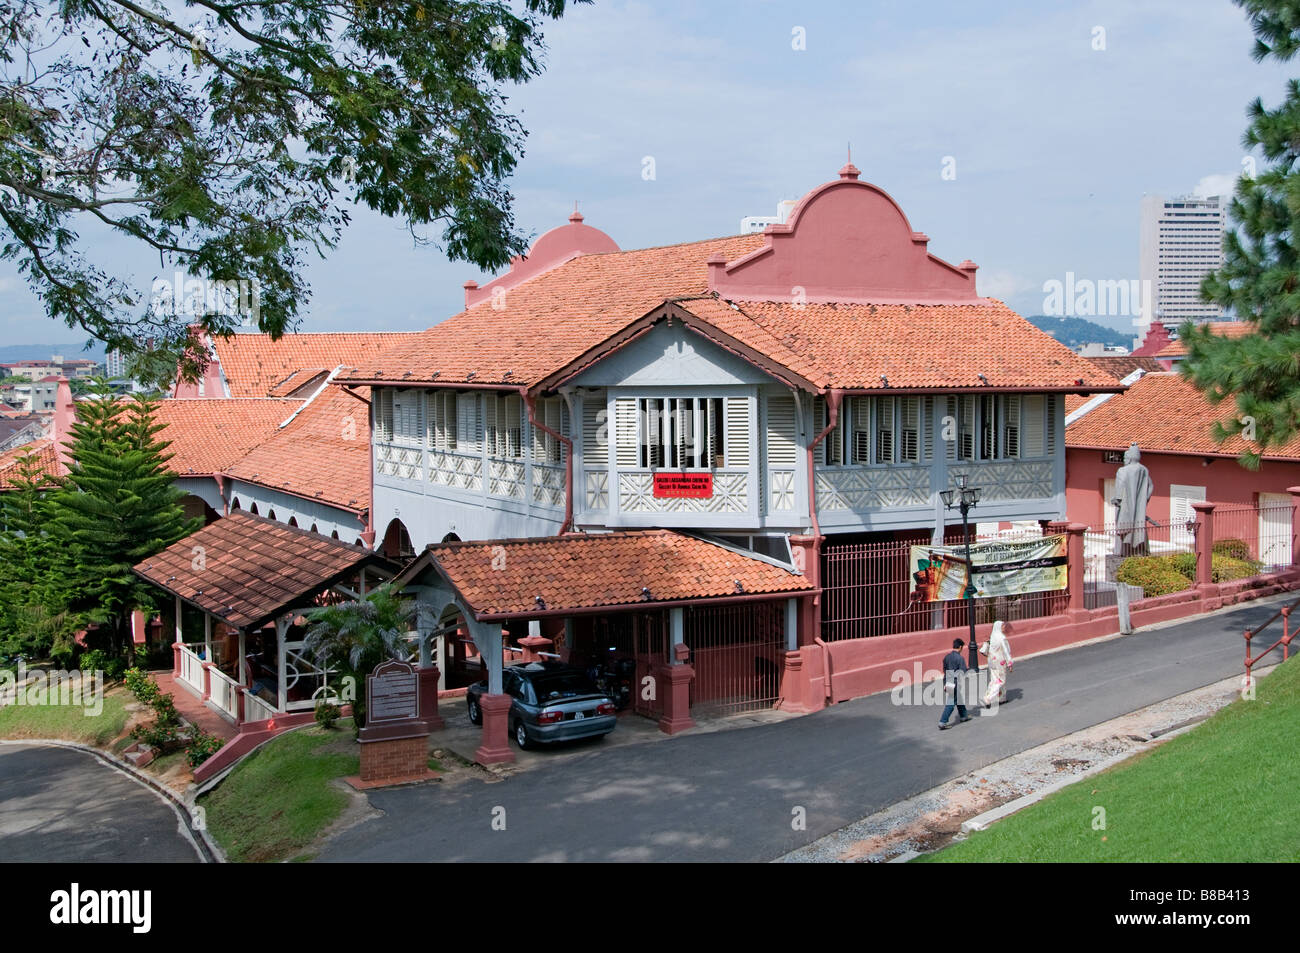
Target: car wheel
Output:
[(475, 713), (521, 736)]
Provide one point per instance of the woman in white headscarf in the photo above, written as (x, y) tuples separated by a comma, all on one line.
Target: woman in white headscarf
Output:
[(998, 652)]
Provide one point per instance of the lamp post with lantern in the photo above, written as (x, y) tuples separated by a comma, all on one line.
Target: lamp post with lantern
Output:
[(964, 497)]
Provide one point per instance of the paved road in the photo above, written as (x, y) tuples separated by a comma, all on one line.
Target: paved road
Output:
[(730, 795), (64, 805)]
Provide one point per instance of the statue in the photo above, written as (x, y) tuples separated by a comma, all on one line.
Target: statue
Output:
[(1133, 490)]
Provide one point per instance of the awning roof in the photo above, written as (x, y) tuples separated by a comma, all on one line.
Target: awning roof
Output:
[(246, 570), (503, 579)]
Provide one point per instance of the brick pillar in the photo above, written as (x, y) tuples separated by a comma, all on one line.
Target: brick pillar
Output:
[(1074, 552), (796, 686), (1204, 555), (533, 644), (806, 552), (240, 690), (675, 683), (495, 748), (207, 680), (176, 660), (429, 675), (1295, 525)]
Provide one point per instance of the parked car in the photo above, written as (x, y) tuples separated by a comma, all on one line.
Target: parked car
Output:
[(550, 701)]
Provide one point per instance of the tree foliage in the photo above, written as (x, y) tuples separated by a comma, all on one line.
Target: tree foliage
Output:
[(228, 138), (1260, 277), (117, 506)]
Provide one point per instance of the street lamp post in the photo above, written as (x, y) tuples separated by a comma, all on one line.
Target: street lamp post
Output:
[(964, 498)]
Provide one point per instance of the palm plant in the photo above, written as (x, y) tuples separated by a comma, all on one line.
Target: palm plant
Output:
[(352, 638)]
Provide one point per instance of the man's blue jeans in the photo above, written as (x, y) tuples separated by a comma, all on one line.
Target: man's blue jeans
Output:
[(947, 713)]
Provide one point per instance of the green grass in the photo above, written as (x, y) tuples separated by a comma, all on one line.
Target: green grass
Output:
[(279, 799), (1221, 792), (68, 722)]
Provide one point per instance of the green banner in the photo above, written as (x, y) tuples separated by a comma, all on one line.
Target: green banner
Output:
[(1001, 568)]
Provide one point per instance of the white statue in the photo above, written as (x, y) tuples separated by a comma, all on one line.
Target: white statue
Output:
[(1133, 491)]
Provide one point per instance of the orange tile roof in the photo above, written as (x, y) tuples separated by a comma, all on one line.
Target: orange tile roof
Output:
[(254, 365), (555, 320), (323, 454), (253, 568), (43, 452), (207, 435), (1228, 329), (559, 569), (1120, 367), (1163, 413)]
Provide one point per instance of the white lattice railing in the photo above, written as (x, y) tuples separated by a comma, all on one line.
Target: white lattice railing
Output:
[(548, 484), (191, 669), (225, 693), (459, 470)]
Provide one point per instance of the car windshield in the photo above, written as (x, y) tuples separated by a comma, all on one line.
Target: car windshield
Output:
[(562, 685)]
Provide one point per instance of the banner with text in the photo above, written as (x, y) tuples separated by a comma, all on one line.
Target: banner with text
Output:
[(939, 573)]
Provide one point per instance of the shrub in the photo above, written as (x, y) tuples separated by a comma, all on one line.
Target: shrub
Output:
[(1224, 568), (93, 661), (202, 746), (164, 737), (1234, 548), (1155, 574), (1184, 563), (144, 688), (114, 669), (327, 713)]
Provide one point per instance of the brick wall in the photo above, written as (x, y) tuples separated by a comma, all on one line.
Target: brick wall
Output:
[(401, 758)]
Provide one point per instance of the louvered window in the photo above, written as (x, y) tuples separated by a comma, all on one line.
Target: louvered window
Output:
[(408, 418), (909, 429), (1011, 427), (595, 430), (504, 426), (442, 420), (782, 439), (384, 414), (830, 452), (551, 412), (684, 433), (469, 424), (860, 426)]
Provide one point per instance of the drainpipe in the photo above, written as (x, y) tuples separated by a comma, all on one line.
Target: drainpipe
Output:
[(530, 404), (833, 398)]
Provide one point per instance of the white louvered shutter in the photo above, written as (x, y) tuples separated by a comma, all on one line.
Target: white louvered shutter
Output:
[(468, 423), (737, 432), (625, 435), (1051, 425), (910, 433), (860, 422), (884, 430), (595, 431), (1011, 427), (1032, 431), (782, 441)]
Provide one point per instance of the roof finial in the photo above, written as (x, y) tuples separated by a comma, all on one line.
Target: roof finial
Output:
[(576, 217), (850, 171)]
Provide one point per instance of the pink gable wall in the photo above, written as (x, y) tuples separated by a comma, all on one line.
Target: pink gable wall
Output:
[(845, 241)]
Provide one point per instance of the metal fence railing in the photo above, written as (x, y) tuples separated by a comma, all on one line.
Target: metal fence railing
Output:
[(866, 587)]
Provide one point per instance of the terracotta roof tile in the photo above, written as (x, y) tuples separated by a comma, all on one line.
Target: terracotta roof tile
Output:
[(1163, 413), (255, 366), (1228, 329), (1120, 367), (559, 569), (323, 454), (44, 453), (207, 435), (252, 568)]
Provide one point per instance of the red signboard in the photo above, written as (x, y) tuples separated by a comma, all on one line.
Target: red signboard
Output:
[(677, 485)]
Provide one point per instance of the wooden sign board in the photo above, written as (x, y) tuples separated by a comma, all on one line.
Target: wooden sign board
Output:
[(683, 485), (392, 693)]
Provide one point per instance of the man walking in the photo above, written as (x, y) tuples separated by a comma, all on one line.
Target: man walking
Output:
[(954, 666)]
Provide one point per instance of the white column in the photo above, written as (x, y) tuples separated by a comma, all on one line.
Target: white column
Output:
[(207, 637), (281, 632), (179, 637), (791, 625), (676, 632), (240, 672)]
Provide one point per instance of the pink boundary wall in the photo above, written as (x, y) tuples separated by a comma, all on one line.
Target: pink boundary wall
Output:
[(858, 667)]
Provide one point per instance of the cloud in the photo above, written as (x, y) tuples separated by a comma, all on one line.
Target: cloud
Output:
[(1002, 284), (1217, 184)]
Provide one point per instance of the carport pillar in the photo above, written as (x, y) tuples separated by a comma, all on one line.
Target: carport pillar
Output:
[(1205, 585), (675, 677), (281, 658), (495, 706), (429, 674), (796, 688)]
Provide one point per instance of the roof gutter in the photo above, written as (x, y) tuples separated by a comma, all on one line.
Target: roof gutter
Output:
[(531, 404), (635, 606)]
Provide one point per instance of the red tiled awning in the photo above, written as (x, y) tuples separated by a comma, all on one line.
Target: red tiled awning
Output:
[(246, 570), (501, 579)]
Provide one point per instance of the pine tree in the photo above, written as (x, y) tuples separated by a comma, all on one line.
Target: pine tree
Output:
[(1260, 277), (116, 507), (32, 620)]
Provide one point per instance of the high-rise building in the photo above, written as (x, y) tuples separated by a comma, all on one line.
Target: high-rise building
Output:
[(756, 223), (1182, 240), (116, 364)]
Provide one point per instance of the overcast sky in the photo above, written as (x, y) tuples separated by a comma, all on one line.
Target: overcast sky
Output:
[(1054, 142)]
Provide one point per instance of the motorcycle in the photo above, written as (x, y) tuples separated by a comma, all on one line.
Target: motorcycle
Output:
[(614, 677)]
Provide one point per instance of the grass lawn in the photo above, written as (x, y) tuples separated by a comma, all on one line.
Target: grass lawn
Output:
[(68, 722), (1221, 792), (279, 799)]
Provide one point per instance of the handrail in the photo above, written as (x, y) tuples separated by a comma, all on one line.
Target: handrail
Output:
[(1285, 641)]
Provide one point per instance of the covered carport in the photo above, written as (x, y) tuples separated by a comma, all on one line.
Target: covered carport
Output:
[(652, 577), (251, 577)]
